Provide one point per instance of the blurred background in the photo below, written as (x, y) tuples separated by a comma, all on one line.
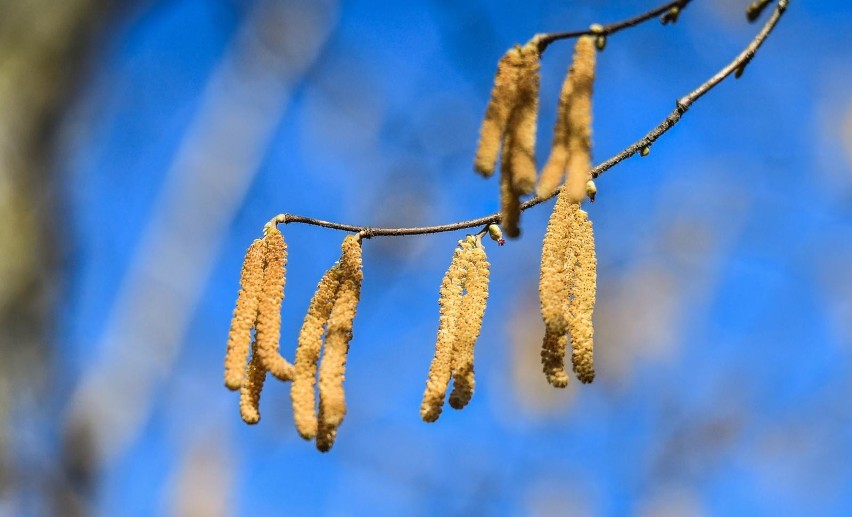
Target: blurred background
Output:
[(143, 144)]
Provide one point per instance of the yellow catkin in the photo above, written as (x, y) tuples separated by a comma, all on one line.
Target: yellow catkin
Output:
[(554, 169), (440, 370), (268, 331), (553, 358), (554, 282), (510, 203), (497, 113), (302, 391), (583, 301), (523, 122), (580, 119), (245, 315), (471, 312), (555, 285), (332, 400), (251, 388)]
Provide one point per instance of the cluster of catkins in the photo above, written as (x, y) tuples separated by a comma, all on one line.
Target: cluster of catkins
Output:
[(329, 319), (568, 265)]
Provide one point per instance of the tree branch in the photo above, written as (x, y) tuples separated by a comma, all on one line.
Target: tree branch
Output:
[(645, 142)]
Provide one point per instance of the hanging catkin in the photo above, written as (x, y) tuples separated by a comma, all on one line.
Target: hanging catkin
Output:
[(251, 388), (579, 166), (332, 401), (440, 370), (496, 120), (583, 302), (471, 312), (245, 315), (555, 285), (510, 203), (269, 306), (572, 130), (302, 391), (523, 122)]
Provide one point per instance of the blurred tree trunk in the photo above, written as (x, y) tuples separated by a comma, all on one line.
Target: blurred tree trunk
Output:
[(44, 46)]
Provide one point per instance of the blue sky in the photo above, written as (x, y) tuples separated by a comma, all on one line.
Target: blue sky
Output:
[(723, 335)]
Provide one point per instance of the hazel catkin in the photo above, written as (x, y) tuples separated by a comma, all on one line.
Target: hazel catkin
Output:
[(245, 315), (471, 313), (332, 401), (583, 302), (268, 329), (440, 370), (524, 121), (302, 392), (579, 121), (251, 388), (496, 120)]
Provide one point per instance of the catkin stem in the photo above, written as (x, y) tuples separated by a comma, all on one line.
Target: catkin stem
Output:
[(245, 315)]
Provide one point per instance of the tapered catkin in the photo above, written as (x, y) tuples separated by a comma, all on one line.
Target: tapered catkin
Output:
[(332, 404), (555, 285), (245, 315), (583, 302), (251, 388), (503, 96), (571, 149), (302, 392), (441, 368), (523, 122), (268, 330), (469, 325), (579, 165)]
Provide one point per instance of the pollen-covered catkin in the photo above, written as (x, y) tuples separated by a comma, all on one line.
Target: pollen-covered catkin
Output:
[(524, 121), (554, 286), (269, 306), (510, 203), (554, 169), (332, 403), (302, 391), (583, 302), (580, 119), (471, 312), (245, 315), (553, 358), (251, 388), (558, 257), (440, 370), (497, 113)]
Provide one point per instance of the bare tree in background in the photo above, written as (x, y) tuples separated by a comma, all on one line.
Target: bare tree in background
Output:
[(43, 52)]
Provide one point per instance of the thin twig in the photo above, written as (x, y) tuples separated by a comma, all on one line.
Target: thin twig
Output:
[(545, 40), (682, 105)]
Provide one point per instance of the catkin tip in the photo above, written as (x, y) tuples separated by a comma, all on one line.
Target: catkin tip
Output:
[(250, 391)]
